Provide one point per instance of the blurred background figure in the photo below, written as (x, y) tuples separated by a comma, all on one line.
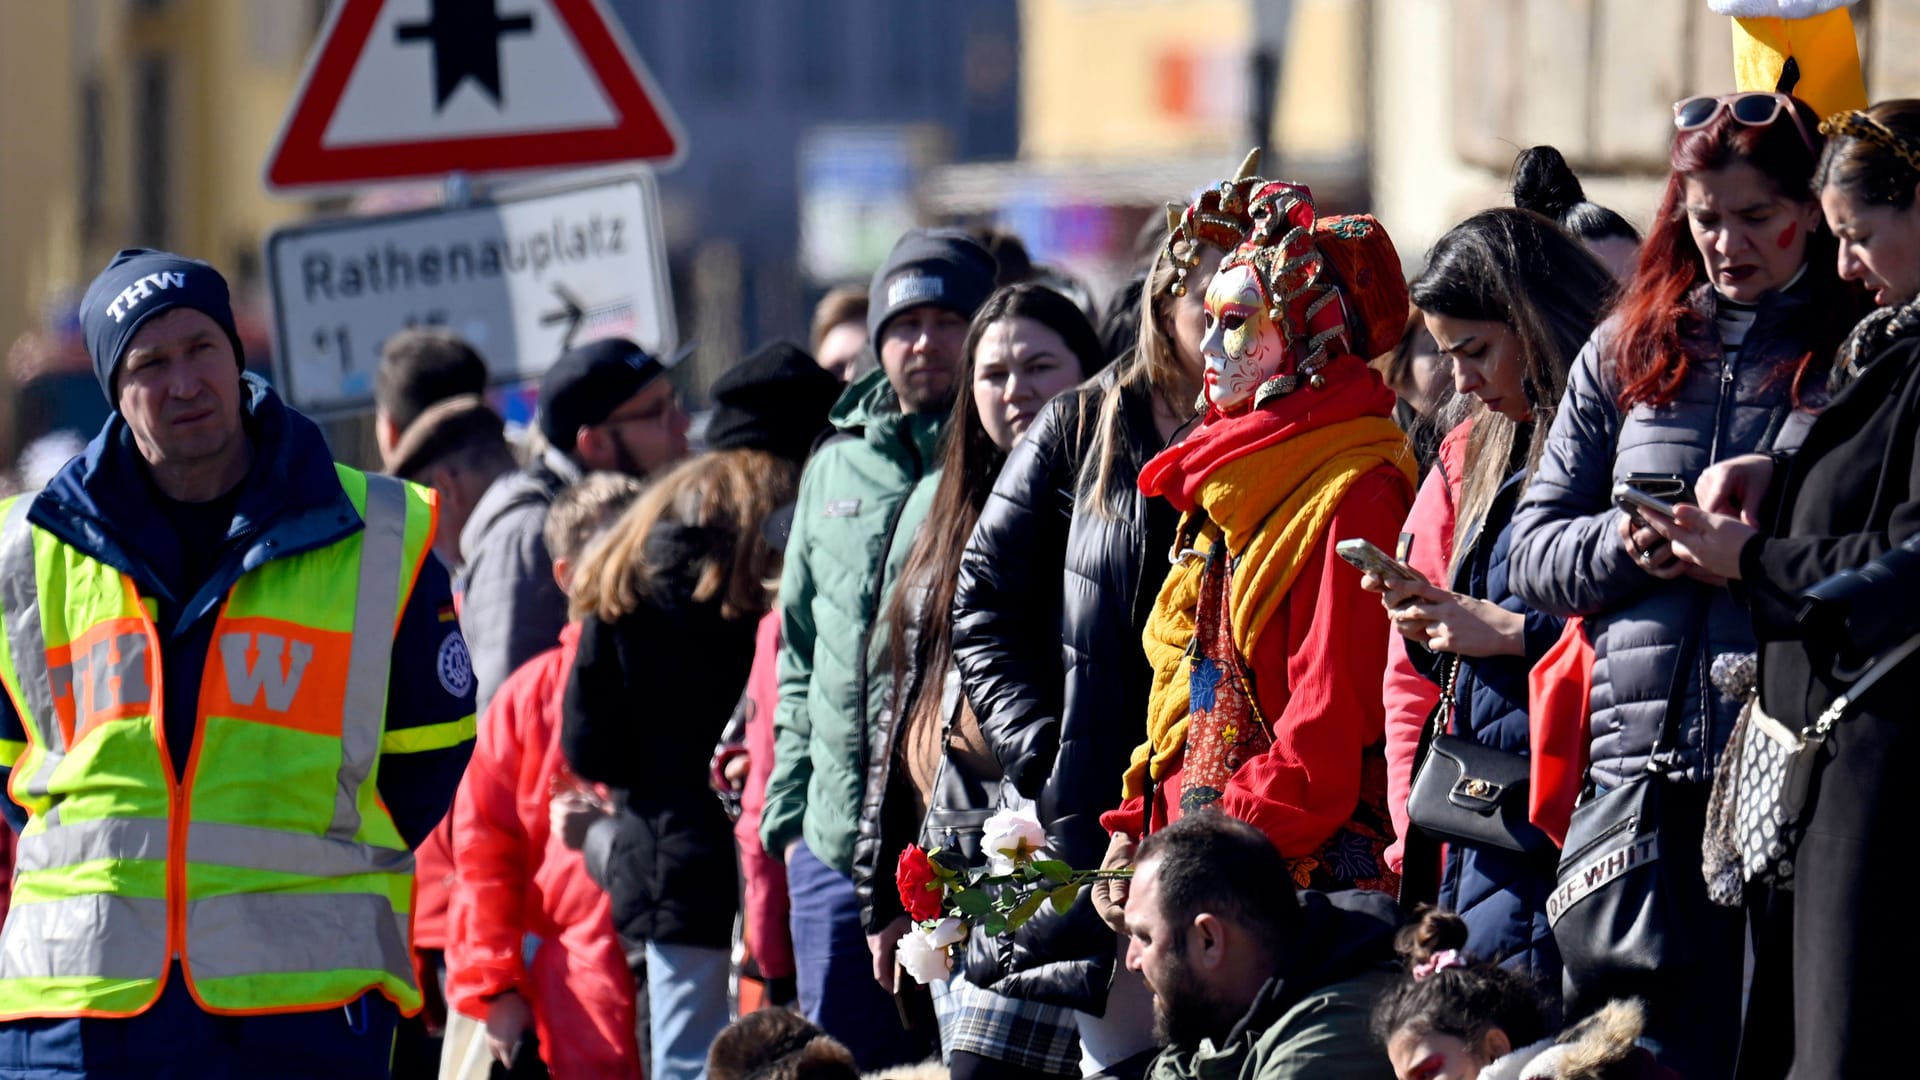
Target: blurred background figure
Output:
[(687, 572), (1421, 378), (1544, 184), (839, 335), (418, 369)]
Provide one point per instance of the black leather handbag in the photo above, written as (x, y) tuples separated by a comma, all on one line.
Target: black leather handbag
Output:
[(1464, 792), (1614, 907)]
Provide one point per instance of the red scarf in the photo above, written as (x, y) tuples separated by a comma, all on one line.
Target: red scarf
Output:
[(1353, 391)]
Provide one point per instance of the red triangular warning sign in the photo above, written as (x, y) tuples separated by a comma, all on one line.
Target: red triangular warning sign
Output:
[(404, 89)]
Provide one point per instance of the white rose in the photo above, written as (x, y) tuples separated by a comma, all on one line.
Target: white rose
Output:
[(951, 931), (1017, 831), (922, 960)]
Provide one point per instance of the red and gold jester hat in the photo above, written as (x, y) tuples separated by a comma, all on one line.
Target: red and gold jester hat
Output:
[(1219, 215), (1297, 293)]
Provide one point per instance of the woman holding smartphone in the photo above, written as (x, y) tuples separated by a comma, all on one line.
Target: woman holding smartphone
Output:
[(1850, 494), (1510, 297), (1707, 356)]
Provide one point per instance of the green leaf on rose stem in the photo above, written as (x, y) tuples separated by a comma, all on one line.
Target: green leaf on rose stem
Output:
[(996, 924), (1054, 870), (972, 903), (943, 871), (1019, 915), (1063, 898)]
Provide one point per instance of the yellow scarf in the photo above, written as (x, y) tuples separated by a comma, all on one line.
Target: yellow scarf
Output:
[(1271, 507)]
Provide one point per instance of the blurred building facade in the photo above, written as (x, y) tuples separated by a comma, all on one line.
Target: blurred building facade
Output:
[(129, 123), (1458, 87), (1128, 104)]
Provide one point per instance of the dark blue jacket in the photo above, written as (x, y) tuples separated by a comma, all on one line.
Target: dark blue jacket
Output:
[(291, 502), (1502, 895)]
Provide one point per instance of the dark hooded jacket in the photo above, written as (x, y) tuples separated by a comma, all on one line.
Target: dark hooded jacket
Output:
[(648, 698)]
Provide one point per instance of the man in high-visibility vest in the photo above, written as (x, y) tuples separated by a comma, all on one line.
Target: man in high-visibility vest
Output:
[(235, 697)]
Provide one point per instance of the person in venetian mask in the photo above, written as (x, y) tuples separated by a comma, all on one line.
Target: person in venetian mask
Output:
[(1266, 652)]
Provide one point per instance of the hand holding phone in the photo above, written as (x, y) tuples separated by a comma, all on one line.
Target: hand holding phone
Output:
[(1367, 557), (1631, 499)]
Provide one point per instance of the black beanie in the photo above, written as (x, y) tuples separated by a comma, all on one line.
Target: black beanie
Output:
[(943, 267), (587, 383), (137, 285), (775, 400)]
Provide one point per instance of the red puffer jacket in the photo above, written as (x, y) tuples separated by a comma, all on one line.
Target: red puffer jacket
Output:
[(513, 880)]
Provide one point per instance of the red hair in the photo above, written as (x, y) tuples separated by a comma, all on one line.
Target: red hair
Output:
[(1652, 354)]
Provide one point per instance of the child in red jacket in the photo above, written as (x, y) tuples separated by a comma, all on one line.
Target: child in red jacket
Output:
[(513, 881)]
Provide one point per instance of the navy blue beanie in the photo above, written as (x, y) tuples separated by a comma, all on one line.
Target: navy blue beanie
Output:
[(137, 285)]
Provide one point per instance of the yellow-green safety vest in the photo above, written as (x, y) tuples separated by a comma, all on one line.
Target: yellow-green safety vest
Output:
[(271, 871)]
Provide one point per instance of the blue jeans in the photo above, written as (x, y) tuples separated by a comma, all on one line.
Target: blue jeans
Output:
[(834, 970), (687, 1000)]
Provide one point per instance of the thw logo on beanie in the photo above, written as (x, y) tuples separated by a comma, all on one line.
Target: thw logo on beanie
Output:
[(138, 285), (131, 296)]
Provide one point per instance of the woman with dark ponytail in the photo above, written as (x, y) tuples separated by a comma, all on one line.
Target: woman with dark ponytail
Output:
[(1544, 183)]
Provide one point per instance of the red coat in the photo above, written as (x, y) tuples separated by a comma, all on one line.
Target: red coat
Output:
[(1316, 668), (1410, 696), (513, 880), (766, 875)]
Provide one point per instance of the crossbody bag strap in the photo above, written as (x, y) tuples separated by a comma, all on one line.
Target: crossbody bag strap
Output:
[(1887, 662), (1439, 719)]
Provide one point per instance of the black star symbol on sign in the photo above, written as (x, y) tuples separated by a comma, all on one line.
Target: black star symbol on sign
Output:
[(466, 44)]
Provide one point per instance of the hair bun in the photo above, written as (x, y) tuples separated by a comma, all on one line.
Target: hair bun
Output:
[(1544, 183), (1431, 931)]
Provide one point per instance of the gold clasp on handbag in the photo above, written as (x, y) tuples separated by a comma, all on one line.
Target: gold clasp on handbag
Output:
[(1475, 788)]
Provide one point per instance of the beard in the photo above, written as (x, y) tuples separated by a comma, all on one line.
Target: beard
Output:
[(1184, 1011)]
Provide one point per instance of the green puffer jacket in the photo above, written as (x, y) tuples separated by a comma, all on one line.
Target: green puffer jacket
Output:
[(852, 527)]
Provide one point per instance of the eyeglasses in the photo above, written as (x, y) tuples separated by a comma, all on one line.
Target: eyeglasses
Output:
[(1753, 108), (652, 414)]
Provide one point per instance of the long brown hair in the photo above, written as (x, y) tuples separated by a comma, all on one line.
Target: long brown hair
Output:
[(1651, 353), (1155, 364), (727, 495), (969, 464), (1518, 268)]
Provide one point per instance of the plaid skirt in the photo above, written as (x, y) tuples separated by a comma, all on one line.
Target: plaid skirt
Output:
[(1023, 1033)]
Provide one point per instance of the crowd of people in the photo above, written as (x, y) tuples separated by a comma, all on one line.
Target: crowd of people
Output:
[(1491, 674)]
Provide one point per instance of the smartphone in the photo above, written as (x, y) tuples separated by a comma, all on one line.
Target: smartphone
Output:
[(1368, 558), (1630, 498)]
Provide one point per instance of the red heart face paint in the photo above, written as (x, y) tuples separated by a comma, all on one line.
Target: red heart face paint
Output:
[(1785, 239)]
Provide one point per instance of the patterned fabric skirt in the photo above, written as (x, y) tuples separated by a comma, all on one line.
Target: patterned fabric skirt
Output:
[(1023, 1033)]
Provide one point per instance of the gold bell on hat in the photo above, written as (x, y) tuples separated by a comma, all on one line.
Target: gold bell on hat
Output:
[(1318, 382)]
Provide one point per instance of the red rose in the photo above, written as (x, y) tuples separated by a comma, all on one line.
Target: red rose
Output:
[(920, 891)]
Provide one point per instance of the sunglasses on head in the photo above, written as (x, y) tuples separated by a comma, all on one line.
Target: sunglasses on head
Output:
[(1753, 108)]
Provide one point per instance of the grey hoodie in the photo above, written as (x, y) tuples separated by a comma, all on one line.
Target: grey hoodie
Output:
[(510, 609)]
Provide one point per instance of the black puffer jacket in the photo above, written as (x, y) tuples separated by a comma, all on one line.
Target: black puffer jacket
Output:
[(957, 808), (1567, 558), (1051, 601), (648, 697)]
